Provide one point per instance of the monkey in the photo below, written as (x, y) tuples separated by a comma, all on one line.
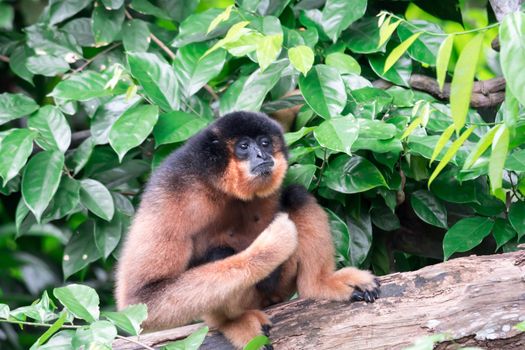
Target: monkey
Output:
[(216, 237)]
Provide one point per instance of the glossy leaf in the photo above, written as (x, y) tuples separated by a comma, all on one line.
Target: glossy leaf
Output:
[(268, 49), (223, 16), (106, 24), (257, 342), (512, 41), (157, 78), (363, 36), (47, 65), (302, 174), (337, 134), (352, 175), (177, 126), (194, 70), (386, 30), (132, 128), (249, 93), (443, 57), (80, 250), (466, 234), (52, 127), (96, 197), (135, 36), (129, 319), (147, 8), (502, 232), (302, 58), (81, 87), (15, 148), (192, 342), (429, 209), (59, 10), (398, 51), (340, 14), (41, 179), (107, 235), (324, 91), (18, 63), (99, 335), (515, 161), (450, 153), (398, 74), (65, 200), (442, 142), (517, 217), (14, 106), (500, 146), (425, 48), (463, 81), (345, 64), (81, 301)]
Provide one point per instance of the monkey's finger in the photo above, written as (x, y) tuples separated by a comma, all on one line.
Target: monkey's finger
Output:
[(376, 280), (369, 297), (268, 347), (266, 329), (357, 295)]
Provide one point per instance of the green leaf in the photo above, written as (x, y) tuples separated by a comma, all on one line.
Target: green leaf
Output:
[(386, 30), (500, 146), (384, 218), (135, 36), (352, 175), (81, 87), (14, 106), (410, 129), (450, 153), (340, 236), (512, 41), (157, 78), (221, 17), (515, 161), (107, 235), (81, 250), (502, 232), (47, 65), (257, 343), (399, 74), (66, 199), (463, 81), (194, 70), (324, 91), (147, 8), (18, 62), (50, 331), (60, 341), (53, 129), (363, 36), (337, 134), (96, 197), (302, 58), (106, 24), (4, 311), (129, 319), (99, 335), (15, 148), (41, 179), (345, 64), (429, 209), (268, 49), (81, 155), (302, 174), (340, 14), (443, 57), (442, 142), (376, 129), (398, 51), (466, 234), (517, 217), (177, 126), (480, 148), (58, 10), (236, 31), (82, 301), (132, 128), (192, 342), (46, 40), (425, 48), (113, 4), (248, 93), (81, 29)]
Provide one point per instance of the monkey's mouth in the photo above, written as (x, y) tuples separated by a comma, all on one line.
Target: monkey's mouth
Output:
[(263, 169)]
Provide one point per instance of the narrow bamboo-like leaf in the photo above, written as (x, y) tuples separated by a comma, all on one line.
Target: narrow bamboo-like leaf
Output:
[(500, 146), (41, 179), (450, 153), (443, 139), (386, 30), (398, 51), (442, 60), (463, 80), (417, 122), (223, 16), (512, 37), (50, 331), (302, 58), (481, 147), (234, 33)]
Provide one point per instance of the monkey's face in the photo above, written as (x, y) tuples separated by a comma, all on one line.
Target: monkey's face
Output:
[(257, 153)]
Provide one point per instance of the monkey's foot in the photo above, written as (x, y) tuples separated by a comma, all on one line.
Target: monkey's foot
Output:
[(366, 285), (247, 326)]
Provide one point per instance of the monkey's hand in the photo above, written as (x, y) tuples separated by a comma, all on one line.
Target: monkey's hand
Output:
[(278, 241)]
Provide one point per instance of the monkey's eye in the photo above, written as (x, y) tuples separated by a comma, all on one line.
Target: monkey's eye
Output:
[(265, 142), (243, 146)]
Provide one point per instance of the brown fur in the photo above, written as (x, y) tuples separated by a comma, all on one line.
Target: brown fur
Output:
[(240, 212)]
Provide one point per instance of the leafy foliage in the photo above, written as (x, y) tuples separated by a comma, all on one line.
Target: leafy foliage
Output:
[(98, 93)]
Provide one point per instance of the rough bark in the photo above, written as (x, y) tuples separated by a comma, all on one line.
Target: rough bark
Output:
[(476, 300)]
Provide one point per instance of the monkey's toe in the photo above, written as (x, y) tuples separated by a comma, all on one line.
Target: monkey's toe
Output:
[(368, 295), (266, 329), (268, 347)]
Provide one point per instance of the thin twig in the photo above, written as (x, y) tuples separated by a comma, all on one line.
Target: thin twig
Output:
[(89, 61), (171, 54), (4, 58), (135, 342), (323, 165)]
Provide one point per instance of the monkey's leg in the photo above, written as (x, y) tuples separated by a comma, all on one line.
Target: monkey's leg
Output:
[(316, 276), (208, 287)]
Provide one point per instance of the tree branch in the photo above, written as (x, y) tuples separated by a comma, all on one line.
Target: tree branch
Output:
[(485, 93), (4, 58)]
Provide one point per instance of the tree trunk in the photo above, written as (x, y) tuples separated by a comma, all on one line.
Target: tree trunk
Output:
[(475, 300)]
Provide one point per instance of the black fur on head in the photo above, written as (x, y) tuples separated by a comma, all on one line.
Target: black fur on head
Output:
[(206, 153)]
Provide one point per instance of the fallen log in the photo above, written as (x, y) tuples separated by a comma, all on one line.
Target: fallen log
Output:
[(475, 300)]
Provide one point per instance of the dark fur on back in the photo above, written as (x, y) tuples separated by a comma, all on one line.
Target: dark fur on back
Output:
[(294, 197), (205, 155)]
